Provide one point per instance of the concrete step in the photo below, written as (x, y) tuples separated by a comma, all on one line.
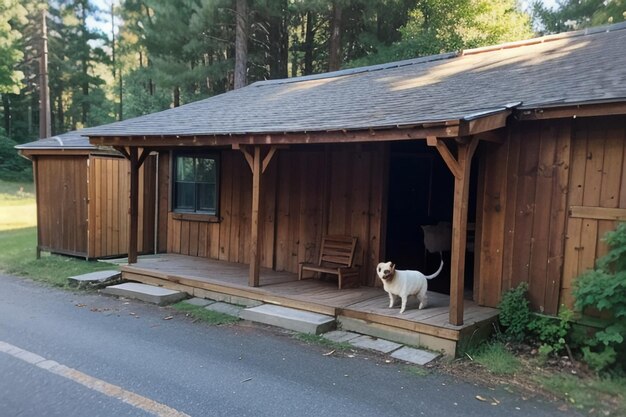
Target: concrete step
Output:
[(147, 293), (289, 318), (95, 279)]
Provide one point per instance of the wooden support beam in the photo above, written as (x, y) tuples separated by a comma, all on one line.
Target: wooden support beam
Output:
[(255, 255), (134, 205), (268, 157), (579, 110), (447, 156), (459, 229), (448, 130), (145, 153), (249, 157), (123, 151), (460, 167)]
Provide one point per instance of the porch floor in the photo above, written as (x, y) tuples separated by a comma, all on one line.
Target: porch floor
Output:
[(198, 276)]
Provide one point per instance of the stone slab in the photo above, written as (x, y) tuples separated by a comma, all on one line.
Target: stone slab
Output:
[(380, 345), (200, 302), (95, 278), (405, 337), (289, 318), (147, 293), (412, 355), (226, 298), (340, 336), (225, 308)]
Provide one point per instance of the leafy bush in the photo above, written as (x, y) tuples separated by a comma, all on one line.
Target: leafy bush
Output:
[(604, 289), (551, 331), (12, 166), (515, 313)]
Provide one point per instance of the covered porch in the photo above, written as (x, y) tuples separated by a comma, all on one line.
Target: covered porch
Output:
[(361, 309)]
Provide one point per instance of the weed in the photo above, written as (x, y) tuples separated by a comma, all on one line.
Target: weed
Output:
[(207, 316), (417, 370), (515, 312), (314, 339), (604, 289), (497, 359), (598, 396), (551, 331)]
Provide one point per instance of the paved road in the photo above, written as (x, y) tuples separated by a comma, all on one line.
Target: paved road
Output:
[(100, 356)]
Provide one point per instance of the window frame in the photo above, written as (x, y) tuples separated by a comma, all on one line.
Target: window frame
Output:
[(195, 213)]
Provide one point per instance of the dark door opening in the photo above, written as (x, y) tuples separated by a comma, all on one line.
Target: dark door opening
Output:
[(421, 192)]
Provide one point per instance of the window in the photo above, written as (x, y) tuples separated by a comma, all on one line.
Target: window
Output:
[(196, 184)]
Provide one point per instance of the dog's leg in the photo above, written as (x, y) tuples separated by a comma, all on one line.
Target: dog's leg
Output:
[(422, 299), (392, 300), (404, 298)]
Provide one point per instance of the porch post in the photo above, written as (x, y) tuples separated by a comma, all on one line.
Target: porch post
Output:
[(460, 168), (134, 205), (255, 259)]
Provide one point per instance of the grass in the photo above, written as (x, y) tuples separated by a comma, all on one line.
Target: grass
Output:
[(17, 203), (417, 370), (18, 257), (497, 359), (207, 316), (314, 339), (596, 396), (18, 241)]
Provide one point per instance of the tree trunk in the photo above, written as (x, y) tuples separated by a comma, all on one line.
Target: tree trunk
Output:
[(334, 52), (278, 41), (176, 96), (60, 113), (309, 39), (85, 67), (6, 110), (241, 44)]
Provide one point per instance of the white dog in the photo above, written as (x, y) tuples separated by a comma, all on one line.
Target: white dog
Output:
[(404, 283)]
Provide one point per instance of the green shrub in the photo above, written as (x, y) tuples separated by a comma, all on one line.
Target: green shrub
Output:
[(515, 313), (12, 166), (551, 331), (604, 289)]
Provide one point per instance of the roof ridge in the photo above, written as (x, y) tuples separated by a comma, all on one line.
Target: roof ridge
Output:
[(545, 38), (449, 55), (358, 70)]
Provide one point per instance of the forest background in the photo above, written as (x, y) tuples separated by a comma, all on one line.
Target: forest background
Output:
[(114, 60)]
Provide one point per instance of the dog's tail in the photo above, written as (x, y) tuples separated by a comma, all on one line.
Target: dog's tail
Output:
[(438, 271)]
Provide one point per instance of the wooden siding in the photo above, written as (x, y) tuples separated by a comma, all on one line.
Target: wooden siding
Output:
[(531, 228), (109, 184), (62, 204), (597, 194), (306, 192)]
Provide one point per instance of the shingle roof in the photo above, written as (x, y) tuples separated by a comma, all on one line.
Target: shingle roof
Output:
[(570, 68), (69, 140)]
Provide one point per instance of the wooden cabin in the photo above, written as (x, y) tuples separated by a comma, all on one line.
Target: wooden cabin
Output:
[(82, 198), (520, 147)]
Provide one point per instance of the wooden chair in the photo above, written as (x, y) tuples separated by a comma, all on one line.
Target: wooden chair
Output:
[(336, 258)]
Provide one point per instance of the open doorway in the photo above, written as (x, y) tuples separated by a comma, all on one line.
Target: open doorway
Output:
[(421, 192)]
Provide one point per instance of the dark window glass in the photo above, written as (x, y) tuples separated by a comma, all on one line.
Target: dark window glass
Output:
[(195, 184)]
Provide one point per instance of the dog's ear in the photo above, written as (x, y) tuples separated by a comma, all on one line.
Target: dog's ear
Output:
[(393, 268)]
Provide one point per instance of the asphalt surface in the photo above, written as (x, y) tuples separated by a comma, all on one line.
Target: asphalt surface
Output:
[(200, 370)]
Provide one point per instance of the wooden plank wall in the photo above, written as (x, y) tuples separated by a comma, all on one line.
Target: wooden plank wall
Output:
[(62, 204), (597, 194), (109, 214), (306, 192), (531, 182)]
